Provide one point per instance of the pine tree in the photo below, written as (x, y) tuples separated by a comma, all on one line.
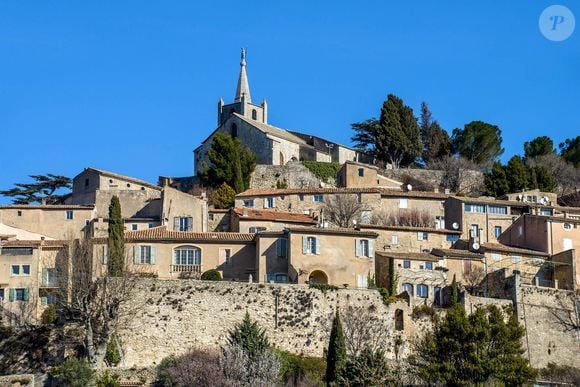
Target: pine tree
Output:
[(250, 337), (336, 354), (479, 142), (223, 197), (495, 182), (539, 146), (517, 174), (116, 239)]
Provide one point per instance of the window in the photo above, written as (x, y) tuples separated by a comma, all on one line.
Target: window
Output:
[(422, 236), (429, 265), (452, 237), (567, 226), (249, 203), (466, 266), (474, 231), (497, 210), (25, 269), (546, 212), (403, 203), (49, 277), (226, 255), (69, 215), (310, 245), (15, 270), (255, 230), (86, 183), (134, 227), (301, 197), (361, 172), (394, 239), (210, 217), (406, 264), (182, 223), (254, 114), (365, 217), (496, 231), (362, 281), (21, 294), (399, 321), (1, 294), (422, 291), (143, 255), (408, 288), (495, 256), (270, 203), (187, 255), (151, 225), (19, 213), (277, 278), (363, 248), (318, 198), (475, 208), (281, 247), (437, 296)]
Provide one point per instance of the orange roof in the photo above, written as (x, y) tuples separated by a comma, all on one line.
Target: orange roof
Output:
[(35, 243), (413, 194), (162, 234), (333, 231), (266, 215), (298, 191), (409, 228)]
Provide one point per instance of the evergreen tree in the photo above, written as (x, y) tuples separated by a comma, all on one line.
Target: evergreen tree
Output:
[(517, 174), (495, 182), (435, 140), (454, 291), (223, 197), (238, 177), (42, 190), (392, 278), (336, 354), (369, 369), (570, 151), (479, 142), (250, 337), (539, 146), (116, 239), (542, 179)]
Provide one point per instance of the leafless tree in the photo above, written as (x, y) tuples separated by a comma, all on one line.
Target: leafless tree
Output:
[(262, 371), (567, 177), (409, 217), (198, 368), (456, 174), (363, 329), (473, 278), (343, 209)]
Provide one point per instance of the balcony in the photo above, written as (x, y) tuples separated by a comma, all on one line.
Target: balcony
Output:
[(185, 269)]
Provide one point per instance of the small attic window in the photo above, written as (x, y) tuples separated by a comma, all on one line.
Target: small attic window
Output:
[(128, 185), (254, 114), (110, 181), (142, 188)]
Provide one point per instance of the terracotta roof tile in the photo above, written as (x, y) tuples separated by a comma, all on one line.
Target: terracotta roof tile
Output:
[(35, 243), (511, 249), (306, 191), (413, 194), (251, 214), (161, 233), (409, 228), (409, 256), (333, 231)]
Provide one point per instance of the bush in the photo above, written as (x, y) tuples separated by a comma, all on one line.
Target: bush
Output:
[(49, 315), (323, 171), (163, 376), (211, 275), (324, 287), (223, 197), (369, 369), (108, 380), (422, 311), (195, 368), (73, 373), (299, 370), (561, 374), (5, 332), (112, 355)]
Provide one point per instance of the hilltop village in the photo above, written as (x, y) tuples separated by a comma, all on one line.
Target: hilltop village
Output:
[(297, 231)]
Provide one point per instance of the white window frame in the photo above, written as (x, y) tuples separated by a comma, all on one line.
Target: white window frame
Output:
[(422, 236), (249, 203), (394, 239), (311, 245), (495, 233), (270, 202), (225, 254), (318, 198), (403, 202), (145, 255)]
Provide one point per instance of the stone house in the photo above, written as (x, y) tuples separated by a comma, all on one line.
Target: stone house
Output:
[(460, 263), (411, 239), (249, 220), (219, 220), (248, 122), (401, 202), (358, 175)]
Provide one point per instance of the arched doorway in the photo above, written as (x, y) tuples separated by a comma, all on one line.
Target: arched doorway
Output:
[(318, 277)]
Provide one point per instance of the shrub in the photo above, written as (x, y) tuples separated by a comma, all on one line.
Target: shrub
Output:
[(112, 355), (163, 376), (49, 315), (324, 287), (249, 337), (561, 374), (422, 311), (211, 275), (195, 368), (242, 370), (299, 370), (74, 373), (369, 369), (323, 171), (108, 380), (223, 197), (5, 332)]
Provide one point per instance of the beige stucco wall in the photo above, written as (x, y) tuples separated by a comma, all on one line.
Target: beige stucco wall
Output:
[(408, 241), (180, 204), (268, 260), (393, 204)]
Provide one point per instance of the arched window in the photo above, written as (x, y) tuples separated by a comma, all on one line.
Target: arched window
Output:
[(408, 288), (422, 291), (254, 114), (399, 322), (234, 130), (187, 255)]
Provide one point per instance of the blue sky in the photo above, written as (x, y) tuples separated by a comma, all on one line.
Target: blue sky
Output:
[(133, 86)]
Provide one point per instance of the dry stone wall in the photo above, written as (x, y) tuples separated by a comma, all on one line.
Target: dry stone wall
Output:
[(294, 173)]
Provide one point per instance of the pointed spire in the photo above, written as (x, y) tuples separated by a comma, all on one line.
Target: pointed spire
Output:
[(243, 87)]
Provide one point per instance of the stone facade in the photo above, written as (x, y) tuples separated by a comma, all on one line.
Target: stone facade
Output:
[(358, 175), (472, 182), (294, 174), (411, 239)]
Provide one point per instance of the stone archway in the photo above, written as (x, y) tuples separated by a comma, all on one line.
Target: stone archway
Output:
[(318, 277)]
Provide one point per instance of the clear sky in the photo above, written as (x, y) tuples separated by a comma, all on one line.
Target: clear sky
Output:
[(132, 86)]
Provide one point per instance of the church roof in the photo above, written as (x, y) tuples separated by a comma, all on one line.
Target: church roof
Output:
[(274, 131), (243, 88)]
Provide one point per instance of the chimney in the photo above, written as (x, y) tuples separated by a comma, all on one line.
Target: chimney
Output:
[(436, 190)]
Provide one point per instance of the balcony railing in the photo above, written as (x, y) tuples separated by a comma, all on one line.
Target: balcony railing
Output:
[(185, 268)]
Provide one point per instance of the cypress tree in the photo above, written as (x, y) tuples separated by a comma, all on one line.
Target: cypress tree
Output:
[(250, 337), (454, 292), (336, 354), (116, 240), (392, 277), (238, 177)]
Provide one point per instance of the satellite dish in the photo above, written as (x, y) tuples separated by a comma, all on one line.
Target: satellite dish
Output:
[(520, 197), (354, 222), (455, 226), (545, 200), (475, 246), (409, 187)]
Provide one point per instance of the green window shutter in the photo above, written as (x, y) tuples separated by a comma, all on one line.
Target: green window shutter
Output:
[(44, 277), (105, 254), (371, 249), (357, 249), (43, 300), (153, 255), (26, 294), (136, 255), (317, 246), (304, 244), (11, 294)]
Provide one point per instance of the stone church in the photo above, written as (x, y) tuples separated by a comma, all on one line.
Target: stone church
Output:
[(248, 122)]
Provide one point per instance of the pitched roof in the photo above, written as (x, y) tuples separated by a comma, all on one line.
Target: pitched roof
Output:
[(493, 201), (35, 243), (409, 256), (162, 234), (47, 206), (413, 194), (333, 231), (456, 253), (510, 249), (410, 228), (307, 191), (266, 215), (123, 177), (273, 131)]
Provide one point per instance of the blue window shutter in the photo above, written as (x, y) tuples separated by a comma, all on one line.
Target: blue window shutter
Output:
[(26, 294), (284, 243), (44, 277), (317, 246), (136, 255), (11, 294), (279, 247), (153, 255), (371, 248), (43, 300), (176, 223), (304, 244), (357, 249)]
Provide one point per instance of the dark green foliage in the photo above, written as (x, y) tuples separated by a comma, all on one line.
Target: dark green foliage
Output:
[(231, 163), (108, 380), (368, 369), (112, 355), (323, 171), (541, 179), (163, 371), (392, 277), (116, 240), (478, 141), (394, 138), (495, 182), (539, 146), (465, 350), (223, 197), (454, 291), (250, 337), (570, 151), (49, 315), (517, 174), (74, 373), (336, 354), (43, 189), (323, 287), (561, 374), (436, 141), (282, 184), (299, 370), (5, 331), (211, 275), (423, 311)]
